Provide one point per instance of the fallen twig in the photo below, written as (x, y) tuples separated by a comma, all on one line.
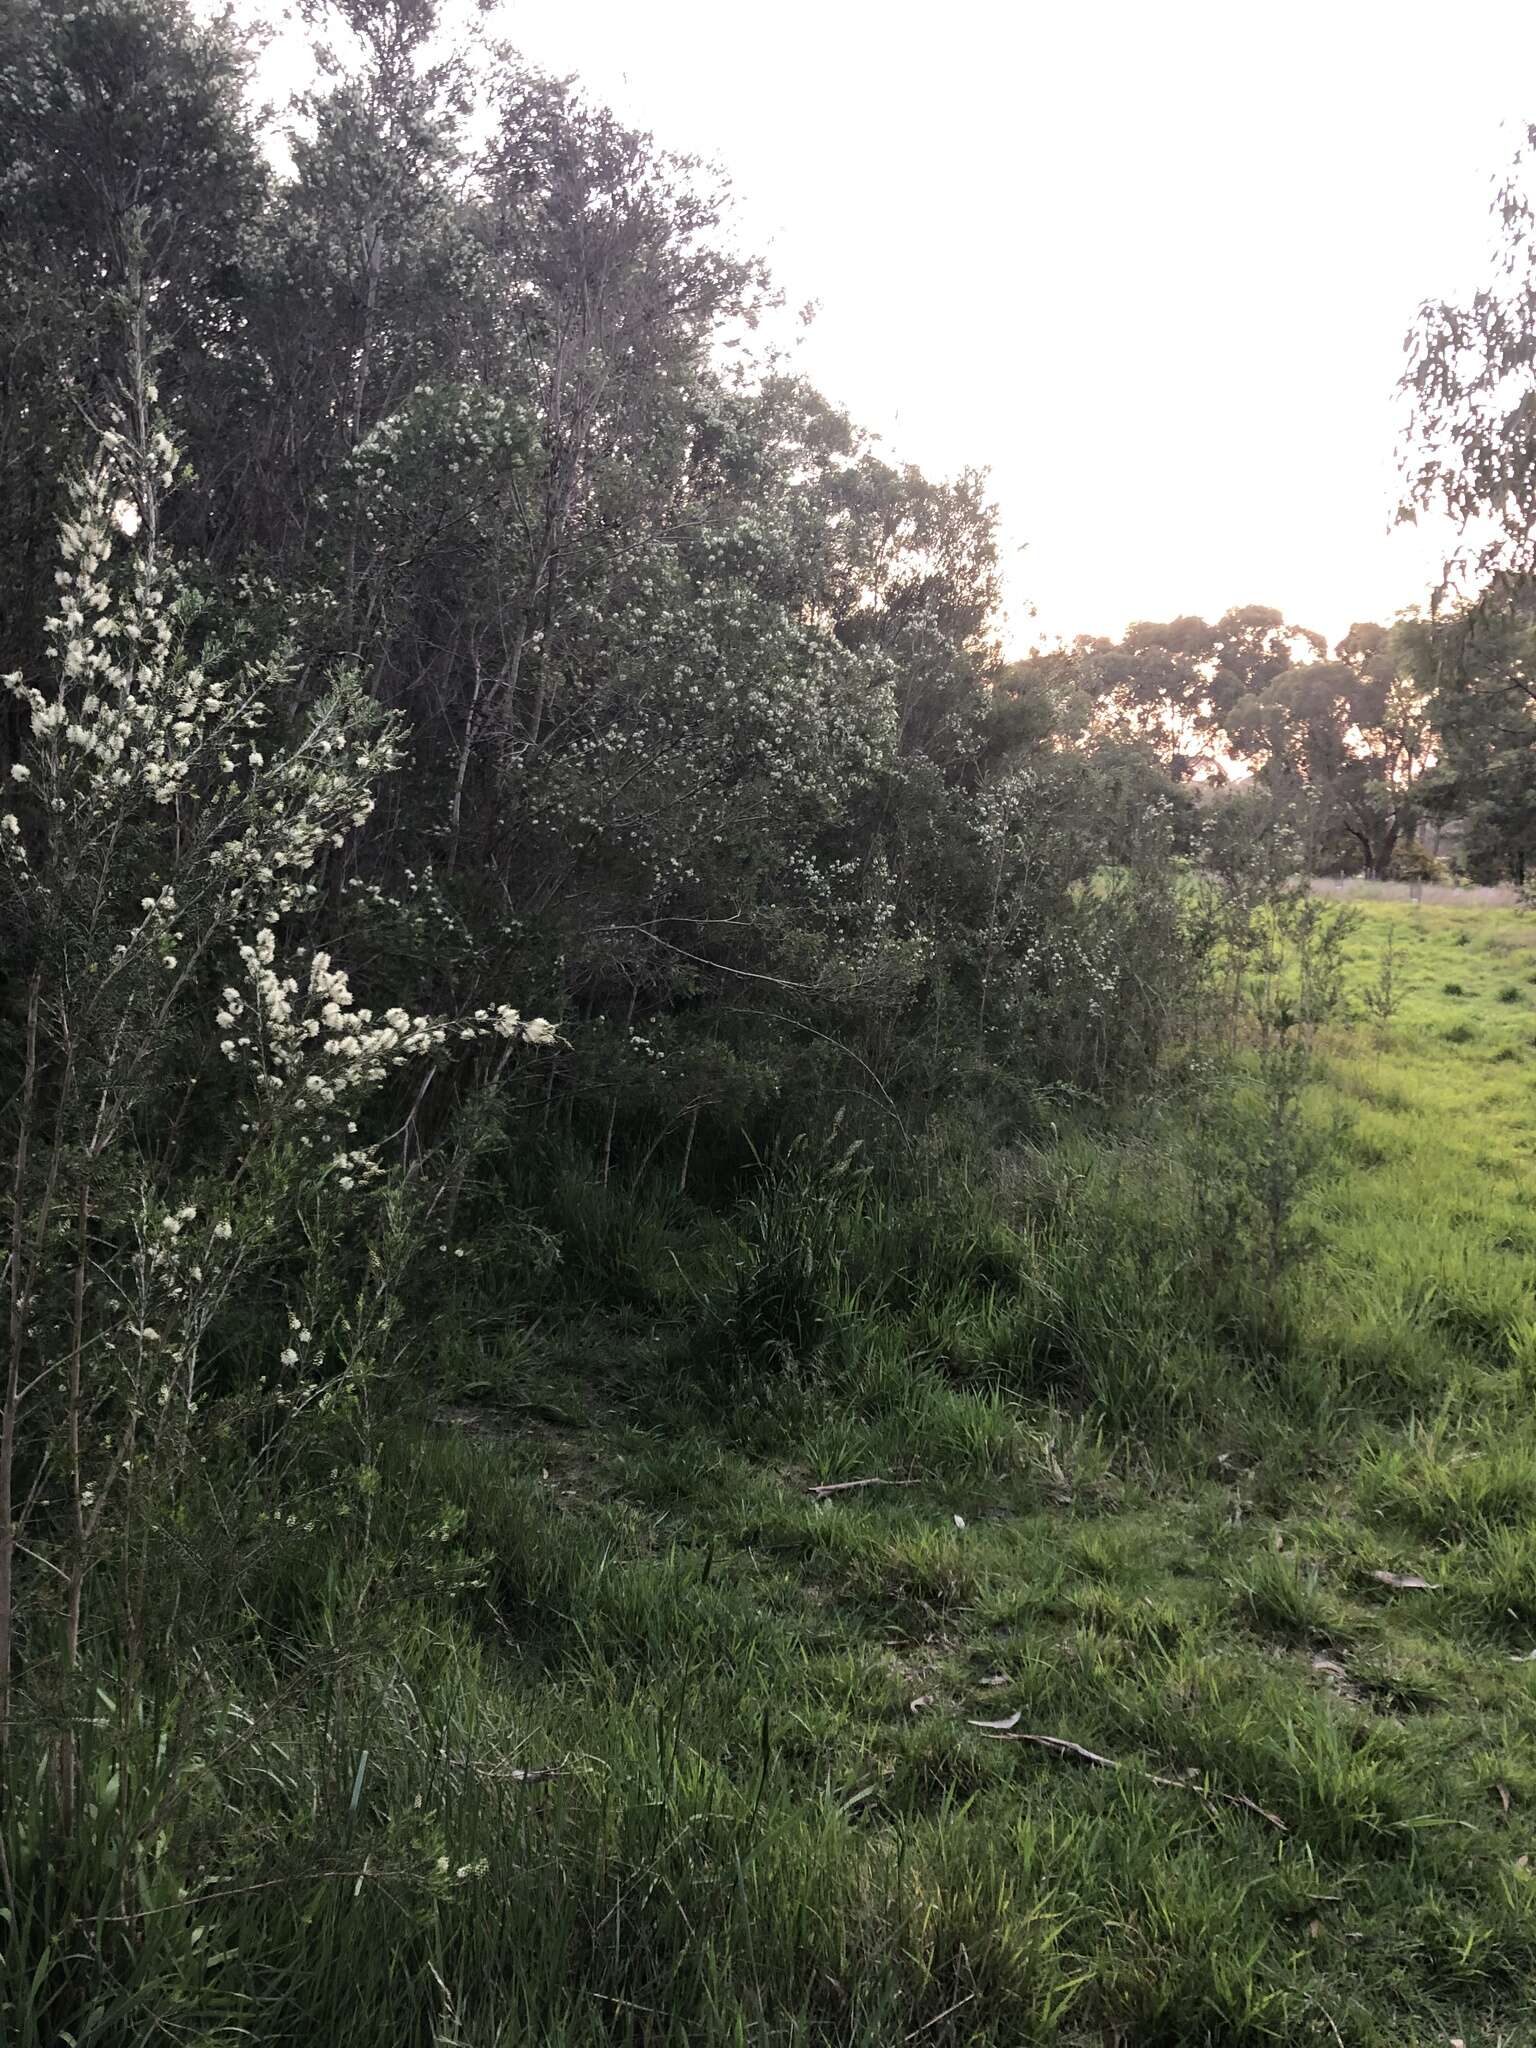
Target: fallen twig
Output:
[(1059, 1746), (1228, 1798), (849, 1485), (918, 2032)]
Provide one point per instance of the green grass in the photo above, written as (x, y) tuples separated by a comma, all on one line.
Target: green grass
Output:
[(1130, 1496)]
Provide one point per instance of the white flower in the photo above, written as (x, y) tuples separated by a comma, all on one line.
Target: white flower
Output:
[(20, 772), (10, 823), (223, 1228), (539, 1031), (289, 1356)]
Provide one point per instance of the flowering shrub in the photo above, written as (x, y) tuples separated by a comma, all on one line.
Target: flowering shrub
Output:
[(158, 834)]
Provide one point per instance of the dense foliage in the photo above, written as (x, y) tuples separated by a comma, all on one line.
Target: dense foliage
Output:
[(707, 749), (417, 596)]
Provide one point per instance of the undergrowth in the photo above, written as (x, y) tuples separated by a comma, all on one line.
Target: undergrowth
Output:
[(637, 1687)]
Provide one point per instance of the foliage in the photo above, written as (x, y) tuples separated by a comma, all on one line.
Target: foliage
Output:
[(1475, 660), (1468, 380)]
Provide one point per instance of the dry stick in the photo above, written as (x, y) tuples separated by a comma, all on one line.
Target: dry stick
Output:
[(1058, 1746), (613, 1107), (848, 1485), (455, 808), (193, 1902), (693, 1125), (928, 2025)]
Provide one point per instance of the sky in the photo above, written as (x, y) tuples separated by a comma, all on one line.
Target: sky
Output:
[(1150, 265)]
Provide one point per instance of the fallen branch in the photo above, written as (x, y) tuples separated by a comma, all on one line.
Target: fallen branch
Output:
[(1209, 1792), (1058, 1746), (848, 1486)]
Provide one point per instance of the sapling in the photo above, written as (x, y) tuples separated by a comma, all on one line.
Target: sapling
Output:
[(1383, 997)]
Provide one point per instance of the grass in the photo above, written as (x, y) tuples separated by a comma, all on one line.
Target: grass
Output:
[(649, 1742)]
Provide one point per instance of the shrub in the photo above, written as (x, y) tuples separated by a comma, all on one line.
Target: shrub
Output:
[(184, 1157)]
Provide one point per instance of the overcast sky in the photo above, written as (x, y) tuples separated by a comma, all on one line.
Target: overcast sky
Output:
[(1151, 264)]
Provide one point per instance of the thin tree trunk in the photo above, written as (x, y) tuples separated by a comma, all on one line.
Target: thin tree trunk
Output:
[(11, 1411), (64, 1756)]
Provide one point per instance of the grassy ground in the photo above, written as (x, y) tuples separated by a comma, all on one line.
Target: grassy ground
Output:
[(670, 1748)]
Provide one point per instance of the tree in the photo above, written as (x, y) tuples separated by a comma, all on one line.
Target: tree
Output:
[(1178, 685), (1354, 733), (1343, 741), (1470, 379), (161, 840), (113, 115), (1481, 663)]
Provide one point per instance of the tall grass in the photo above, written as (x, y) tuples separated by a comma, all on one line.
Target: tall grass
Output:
[(594, 1719)]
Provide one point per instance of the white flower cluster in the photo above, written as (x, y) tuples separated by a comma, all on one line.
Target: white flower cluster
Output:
[(456, 437), (132, 719), (308, 798), (126, 712), (719, 717), (314, 1042)]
